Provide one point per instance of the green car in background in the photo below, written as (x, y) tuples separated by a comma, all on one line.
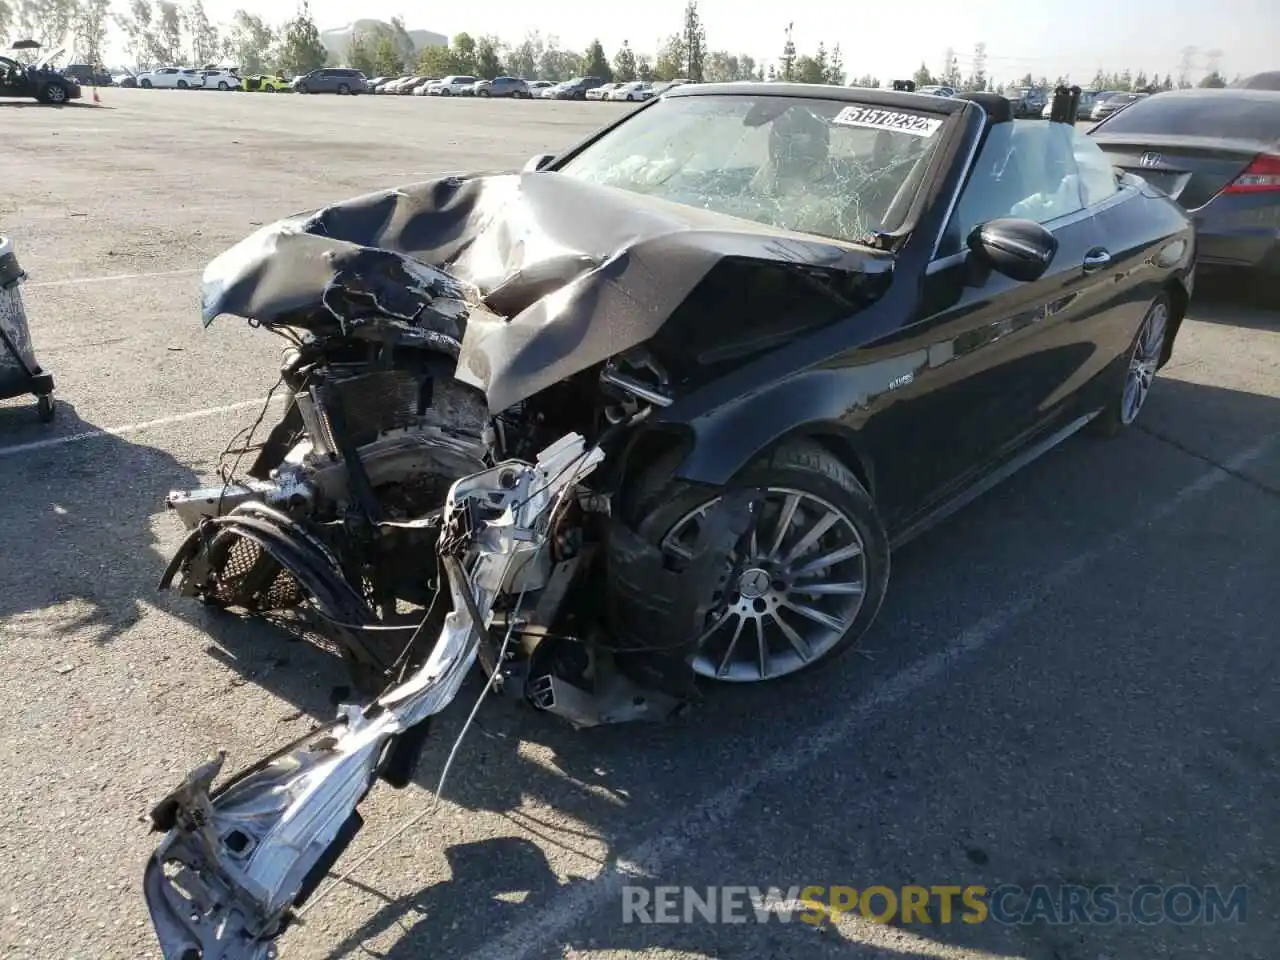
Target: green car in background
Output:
[(267, 83)]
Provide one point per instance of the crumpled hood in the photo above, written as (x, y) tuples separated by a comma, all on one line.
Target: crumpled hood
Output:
[(558, 274)]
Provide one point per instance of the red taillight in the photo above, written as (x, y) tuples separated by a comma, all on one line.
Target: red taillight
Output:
[(1261, 176)]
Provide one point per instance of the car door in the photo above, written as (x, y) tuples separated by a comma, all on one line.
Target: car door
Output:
[(996, 352), (13, 79), (1133, 243)]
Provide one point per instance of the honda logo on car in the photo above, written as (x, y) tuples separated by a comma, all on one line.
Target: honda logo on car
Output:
[(875, 119), (1150, 160)]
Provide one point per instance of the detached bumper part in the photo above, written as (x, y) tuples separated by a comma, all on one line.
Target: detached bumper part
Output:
[(236, 860)]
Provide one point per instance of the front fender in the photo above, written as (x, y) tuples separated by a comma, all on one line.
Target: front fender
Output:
[(827, 404)]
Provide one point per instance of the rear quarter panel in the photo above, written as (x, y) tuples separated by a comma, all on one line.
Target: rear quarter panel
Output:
[(1152, 243)]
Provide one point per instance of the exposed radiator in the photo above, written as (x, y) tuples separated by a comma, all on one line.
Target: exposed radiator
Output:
[(374, 403)]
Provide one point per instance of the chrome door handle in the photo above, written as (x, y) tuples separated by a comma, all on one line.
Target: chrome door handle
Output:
[(1096, 260)]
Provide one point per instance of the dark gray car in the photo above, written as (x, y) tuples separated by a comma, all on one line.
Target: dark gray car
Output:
[(503, 87), (1217, 152), (340, 80), (576, 89)]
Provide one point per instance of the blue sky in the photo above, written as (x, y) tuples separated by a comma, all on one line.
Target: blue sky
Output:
[(886, 40)]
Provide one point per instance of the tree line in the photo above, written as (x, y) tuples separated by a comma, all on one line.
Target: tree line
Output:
[(684, 54), (165, 32), (1130, 81), (179, 32)]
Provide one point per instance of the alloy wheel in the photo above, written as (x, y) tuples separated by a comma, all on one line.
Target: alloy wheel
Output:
[(791, 595), (56, 94), (1143, 361)]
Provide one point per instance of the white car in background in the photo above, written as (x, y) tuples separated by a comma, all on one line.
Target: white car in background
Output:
[(454, 86), (537, 87), (602, 92), (220, 80), (548, 93), (633, 90), (171, 78), (934, 90)]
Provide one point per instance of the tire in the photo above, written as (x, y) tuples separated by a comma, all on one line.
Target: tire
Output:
[(182, 84), (45, 408), (1142, 361), (580, 95), (145, 84), (54, 94), (806, 474), (222, 85), (483, 93), (446, 92), (302, 88), (343, 90), (630, 98)]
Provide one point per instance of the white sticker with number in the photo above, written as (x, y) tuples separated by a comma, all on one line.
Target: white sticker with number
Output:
[(875, 118)]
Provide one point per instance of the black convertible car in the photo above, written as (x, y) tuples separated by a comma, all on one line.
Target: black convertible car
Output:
[(783, 328), (37, 82), (870, 303)]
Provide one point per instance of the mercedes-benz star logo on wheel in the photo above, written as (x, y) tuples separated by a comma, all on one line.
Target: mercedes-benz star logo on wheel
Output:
[(754, 583)]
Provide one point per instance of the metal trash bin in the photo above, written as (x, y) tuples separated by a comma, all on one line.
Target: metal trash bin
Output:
[(19, 372)]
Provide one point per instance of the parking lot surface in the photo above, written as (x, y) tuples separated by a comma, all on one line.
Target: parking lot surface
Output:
[(1073, 681)]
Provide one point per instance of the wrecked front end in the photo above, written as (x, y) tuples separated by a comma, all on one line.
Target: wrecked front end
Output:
[(237, 861), (473, 381), (439, 329), (240, 861)]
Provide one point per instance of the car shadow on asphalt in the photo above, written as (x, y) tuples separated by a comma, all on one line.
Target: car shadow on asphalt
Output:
[(86, 538), (497, 883), (1237, 299), (81, 532), (627, 782), (74, 105)]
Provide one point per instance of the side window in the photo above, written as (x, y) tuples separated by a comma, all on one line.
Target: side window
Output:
[(1097, 177), (1026, 168)]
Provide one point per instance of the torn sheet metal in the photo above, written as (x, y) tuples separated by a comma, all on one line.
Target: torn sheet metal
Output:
[(237, 860), (554, 274)]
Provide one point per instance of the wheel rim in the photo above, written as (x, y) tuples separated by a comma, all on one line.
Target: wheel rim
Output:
[(57, 94), (1143, 362), (790, 596)]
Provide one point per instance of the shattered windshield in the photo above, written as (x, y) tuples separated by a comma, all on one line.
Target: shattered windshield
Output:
[(825, 167)]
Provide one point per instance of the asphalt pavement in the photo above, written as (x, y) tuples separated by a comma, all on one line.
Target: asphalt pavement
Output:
[(1073, 681)]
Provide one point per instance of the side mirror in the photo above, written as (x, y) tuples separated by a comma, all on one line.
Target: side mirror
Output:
[(1020, 249), (538, 161)]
